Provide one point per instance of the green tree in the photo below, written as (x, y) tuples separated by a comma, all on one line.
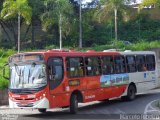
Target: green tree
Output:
[(148, 3), (12, 8), (106, 9), (37, 9), (57, 12)]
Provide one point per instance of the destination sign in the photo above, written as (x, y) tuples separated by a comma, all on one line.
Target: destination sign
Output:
[(26, 57)]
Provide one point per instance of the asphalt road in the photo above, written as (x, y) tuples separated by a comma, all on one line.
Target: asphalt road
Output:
[(106, 110)]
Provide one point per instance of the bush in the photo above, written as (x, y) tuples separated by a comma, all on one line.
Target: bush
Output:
[(3, 83), (143, 45), (139, 46), (4, 54)]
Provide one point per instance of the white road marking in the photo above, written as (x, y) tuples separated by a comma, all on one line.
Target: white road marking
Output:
[(149, 105), (154, 111)]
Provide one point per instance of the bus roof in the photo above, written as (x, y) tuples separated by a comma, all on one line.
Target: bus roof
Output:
[(137, 52), (58, 52)]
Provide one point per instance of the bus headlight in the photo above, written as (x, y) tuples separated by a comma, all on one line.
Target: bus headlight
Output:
[(40, 97)]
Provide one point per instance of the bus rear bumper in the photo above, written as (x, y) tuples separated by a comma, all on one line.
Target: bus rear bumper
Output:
[(43, 103)]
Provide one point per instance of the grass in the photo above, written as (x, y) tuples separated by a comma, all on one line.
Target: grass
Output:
[(139, 46)]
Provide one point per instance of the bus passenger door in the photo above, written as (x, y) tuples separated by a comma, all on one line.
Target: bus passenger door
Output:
[(55, 75)]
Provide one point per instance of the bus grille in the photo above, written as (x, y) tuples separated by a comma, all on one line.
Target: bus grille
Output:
[(24, 99), (25, 104)]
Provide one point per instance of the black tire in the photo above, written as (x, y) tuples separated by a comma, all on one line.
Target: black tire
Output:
[(105, 100), (131, 93), (43, 110), (73, 104), (124, 98)]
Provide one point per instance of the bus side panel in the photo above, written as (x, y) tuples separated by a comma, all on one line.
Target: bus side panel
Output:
[(96, 94), (121, 90), (100, 90), (93, 91), (104, 93), (115, 84), (146, 79), (60, 96), (93, 82), (61, 100)]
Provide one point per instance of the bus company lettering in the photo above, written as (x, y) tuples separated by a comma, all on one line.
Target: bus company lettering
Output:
[(90, 97)]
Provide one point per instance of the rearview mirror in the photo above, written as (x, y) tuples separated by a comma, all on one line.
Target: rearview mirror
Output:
[(5, 73)]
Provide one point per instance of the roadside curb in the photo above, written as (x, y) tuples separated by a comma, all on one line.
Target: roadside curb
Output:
[(4, 107)]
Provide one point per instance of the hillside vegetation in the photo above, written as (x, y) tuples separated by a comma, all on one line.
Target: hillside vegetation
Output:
[(4, 54)]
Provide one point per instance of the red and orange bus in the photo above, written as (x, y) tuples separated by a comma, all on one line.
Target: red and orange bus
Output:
[(64, 78)]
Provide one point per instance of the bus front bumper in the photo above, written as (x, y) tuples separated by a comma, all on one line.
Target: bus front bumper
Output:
[(43, 103)]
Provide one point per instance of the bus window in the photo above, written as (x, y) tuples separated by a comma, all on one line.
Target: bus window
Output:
[(140, 61), (55, 71), (150, 62), (75, 67), (93, 66), (131, 64), (107, 65), (119, 64)]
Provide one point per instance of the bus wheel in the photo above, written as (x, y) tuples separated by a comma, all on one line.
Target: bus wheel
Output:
[(131, 93), (73, 104), (105, 100), (43, 110)]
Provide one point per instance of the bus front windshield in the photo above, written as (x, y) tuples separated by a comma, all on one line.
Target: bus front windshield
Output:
[(27, 76)]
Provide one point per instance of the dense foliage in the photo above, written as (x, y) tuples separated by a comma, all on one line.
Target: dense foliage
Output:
[(4, 54), (131, 25)]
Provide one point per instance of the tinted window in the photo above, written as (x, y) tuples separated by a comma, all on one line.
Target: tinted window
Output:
[(119, 64), (107, 65), (140, 61), (75, 67), (131, 64), (93, 66), (150, 62), (55, 71)]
